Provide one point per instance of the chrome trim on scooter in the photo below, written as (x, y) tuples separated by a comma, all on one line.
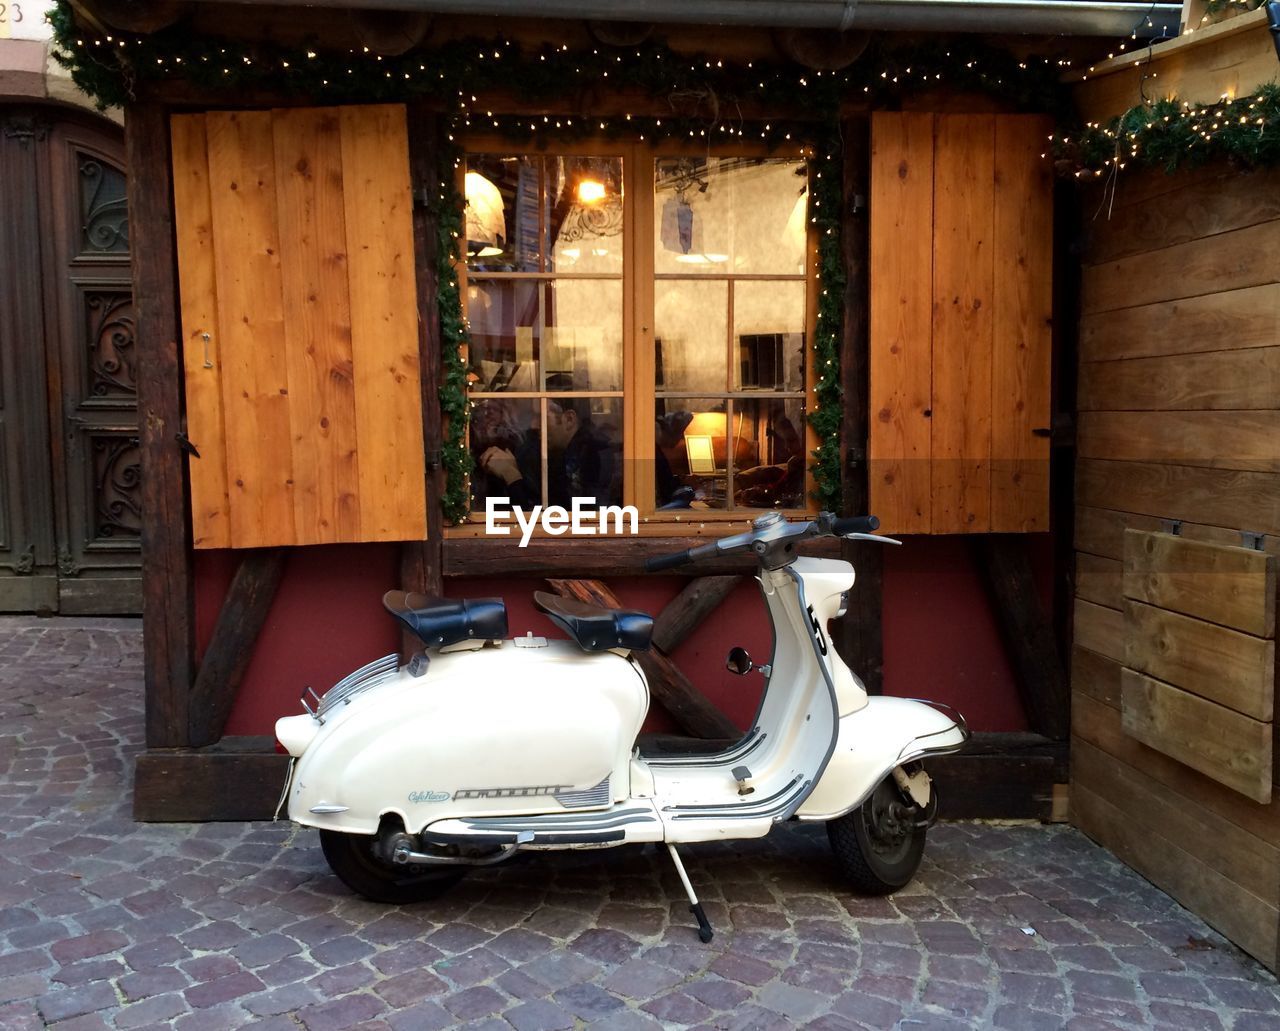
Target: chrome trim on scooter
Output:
[(753, 740), (548, 829), (376, 672), (780, 811), (957, 723), (737, 808), (588, 798), (542, 823), (284, 791)]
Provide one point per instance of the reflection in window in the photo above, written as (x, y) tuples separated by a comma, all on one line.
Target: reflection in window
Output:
[(715, 215), (578, 456), (729, 315), (709, 457), (544, 244), (543, 214)]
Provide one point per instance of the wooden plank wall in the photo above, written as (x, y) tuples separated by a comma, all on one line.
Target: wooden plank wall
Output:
[(1179, 402)]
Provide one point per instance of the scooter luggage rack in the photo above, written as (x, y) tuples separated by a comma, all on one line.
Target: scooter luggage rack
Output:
[(377, 672)]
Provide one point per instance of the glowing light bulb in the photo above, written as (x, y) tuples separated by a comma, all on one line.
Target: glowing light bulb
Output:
[(591, 191)]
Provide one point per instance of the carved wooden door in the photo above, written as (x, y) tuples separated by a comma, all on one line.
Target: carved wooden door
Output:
[(69, 517)]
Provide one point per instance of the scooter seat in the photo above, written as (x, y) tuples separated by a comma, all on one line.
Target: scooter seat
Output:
[(443, 621), (595, 628)]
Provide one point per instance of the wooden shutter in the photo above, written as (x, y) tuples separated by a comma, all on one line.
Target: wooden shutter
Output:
[(961, 300), (1200, 656), (299, 324)]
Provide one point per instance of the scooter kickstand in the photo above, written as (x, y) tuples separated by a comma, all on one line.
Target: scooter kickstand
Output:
[(695, 907)]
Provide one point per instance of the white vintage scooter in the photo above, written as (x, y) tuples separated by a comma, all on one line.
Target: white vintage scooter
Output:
[(479, 748)]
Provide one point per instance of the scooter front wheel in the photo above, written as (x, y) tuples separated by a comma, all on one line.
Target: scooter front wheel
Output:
[(352, 858), (878, 846)]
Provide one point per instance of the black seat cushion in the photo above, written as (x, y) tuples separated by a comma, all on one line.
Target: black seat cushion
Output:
[(595, 628), (444, 621)]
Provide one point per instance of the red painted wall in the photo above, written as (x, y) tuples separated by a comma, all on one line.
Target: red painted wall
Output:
[(940, 638)]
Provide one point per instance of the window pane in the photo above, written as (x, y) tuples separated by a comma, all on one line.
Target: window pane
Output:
[(584, 450), (505, 213), (104, 214), (582, 345), (506, 331), (506, 448), (691, 323), (738, 215), (543, 214), (768, 330), (692, 443), (768, 470), (533, 336), (584, 222)]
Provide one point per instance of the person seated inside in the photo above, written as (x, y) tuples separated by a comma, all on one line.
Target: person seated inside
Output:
[(582, 462)]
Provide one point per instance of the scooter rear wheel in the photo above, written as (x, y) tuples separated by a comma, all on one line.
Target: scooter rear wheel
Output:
[(352, 858), (878, 846)]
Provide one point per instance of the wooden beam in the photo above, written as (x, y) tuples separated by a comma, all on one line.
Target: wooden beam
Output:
[(1000, 776), (422, 562), (240, 620), (686, 611), (673, 690), (237, 779), (167, 580), (602, 557), (139, 16), (1027, 633), (858, 634)]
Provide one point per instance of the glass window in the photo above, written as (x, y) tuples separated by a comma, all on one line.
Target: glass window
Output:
[(544, 253), (563, 281), (729, 332)]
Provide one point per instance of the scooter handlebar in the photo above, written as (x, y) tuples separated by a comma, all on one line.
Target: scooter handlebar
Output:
[(661, 562), (855, 524), (679, 558), (836, 527)]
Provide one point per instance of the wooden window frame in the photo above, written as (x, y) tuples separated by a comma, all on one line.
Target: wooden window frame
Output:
[(639, 392)]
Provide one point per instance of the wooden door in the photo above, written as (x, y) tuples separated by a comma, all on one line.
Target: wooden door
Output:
[(69, 476)]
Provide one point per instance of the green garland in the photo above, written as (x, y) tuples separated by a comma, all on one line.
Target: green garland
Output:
[(455, 456), (824, 211), (705, 93), (1218, 6), (1171, 134)]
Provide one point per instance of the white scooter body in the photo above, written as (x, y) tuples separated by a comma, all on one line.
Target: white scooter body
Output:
[(531, 744)]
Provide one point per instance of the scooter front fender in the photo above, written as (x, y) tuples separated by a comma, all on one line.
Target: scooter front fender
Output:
[(885, 733)]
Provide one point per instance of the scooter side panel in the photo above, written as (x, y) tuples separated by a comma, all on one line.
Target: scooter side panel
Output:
[(885, 733), (502, 731)]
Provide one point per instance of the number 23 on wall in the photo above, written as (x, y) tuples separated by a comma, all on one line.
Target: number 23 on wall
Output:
[(10, 15)]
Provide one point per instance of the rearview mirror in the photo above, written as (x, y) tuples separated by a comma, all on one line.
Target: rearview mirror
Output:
[(739, 662)]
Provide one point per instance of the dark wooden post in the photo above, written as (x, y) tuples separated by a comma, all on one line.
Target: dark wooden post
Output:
[(858, 633), (421, 562), (243, 614), (167, 579), (1005, 564)]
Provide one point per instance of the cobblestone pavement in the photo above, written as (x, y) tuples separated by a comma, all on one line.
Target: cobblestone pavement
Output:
[(108, 923)]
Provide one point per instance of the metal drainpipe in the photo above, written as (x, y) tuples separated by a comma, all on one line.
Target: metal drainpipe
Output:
[(1038, 17)]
